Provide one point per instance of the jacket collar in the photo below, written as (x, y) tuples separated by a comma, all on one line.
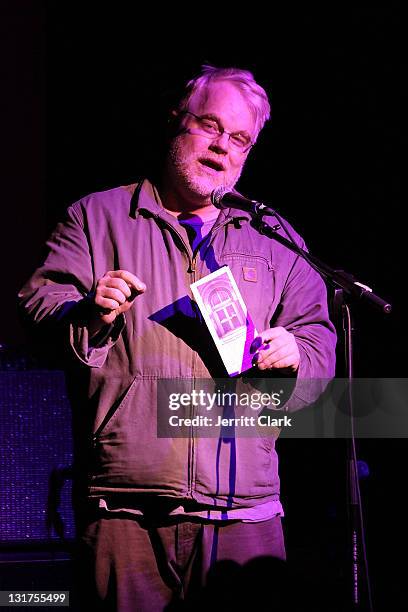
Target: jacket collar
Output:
[(146, 197)]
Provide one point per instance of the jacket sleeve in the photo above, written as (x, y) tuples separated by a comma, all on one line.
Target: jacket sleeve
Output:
[(303, 311), (58, 298)]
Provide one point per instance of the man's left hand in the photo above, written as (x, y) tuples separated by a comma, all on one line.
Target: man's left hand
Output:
[(276, 348)]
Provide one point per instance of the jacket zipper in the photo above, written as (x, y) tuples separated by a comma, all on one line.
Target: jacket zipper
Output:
[(193, 271), (192, 446)]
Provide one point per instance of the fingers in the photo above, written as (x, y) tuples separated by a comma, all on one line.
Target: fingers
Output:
[(272, 333), (115, 292), (107, 298), (275, 337), (117, 285), (276, 348), (280, 359), (130, 279)]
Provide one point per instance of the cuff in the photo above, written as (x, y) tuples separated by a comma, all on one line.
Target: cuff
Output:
[(93, 352), (307, 388)]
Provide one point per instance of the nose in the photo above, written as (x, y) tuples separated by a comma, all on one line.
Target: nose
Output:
[(220, 143)]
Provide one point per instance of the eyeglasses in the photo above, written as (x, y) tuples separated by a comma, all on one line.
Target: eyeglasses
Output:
[(210, 127)]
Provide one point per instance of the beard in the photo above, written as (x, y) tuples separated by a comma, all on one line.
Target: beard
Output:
[(192, 177)]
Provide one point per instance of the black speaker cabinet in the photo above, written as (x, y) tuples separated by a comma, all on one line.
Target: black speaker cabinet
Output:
[(35, 457)]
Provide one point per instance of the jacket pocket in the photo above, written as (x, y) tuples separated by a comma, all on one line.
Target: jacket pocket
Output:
[(237, 468), (114, 412), (128, 452), (255, 277)]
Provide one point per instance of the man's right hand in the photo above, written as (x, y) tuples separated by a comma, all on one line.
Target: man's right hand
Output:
[(115, 293)]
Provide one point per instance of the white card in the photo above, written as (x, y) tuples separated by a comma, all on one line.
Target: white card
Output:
[(227, 318)]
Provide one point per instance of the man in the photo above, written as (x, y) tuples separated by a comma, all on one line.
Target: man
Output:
[(157, 514)]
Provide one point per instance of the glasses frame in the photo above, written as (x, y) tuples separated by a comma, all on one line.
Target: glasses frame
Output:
[(221, 131)]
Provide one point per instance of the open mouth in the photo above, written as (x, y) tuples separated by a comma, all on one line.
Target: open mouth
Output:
[(210, 163)]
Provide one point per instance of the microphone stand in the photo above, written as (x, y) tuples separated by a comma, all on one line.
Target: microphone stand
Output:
[(347, 289), (354, 289)]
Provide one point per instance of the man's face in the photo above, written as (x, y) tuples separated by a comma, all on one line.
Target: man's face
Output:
[(198, 163)]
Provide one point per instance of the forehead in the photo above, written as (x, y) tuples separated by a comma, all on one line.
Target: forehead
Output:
[(224, 100)]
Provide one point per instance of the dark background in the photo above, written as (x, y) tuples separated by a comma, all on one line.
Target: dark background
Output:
[(84, 87)]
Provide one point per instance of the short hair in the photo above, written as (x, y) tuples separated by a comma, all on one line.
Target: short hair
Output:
[(253, 93)]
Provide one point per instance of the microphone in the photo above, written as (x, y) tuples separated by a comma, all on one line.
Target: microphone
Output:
[(222, 198)]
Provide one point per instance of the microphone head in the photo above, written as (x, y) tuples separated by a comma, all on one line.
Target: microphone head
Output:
[(217, 195)]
